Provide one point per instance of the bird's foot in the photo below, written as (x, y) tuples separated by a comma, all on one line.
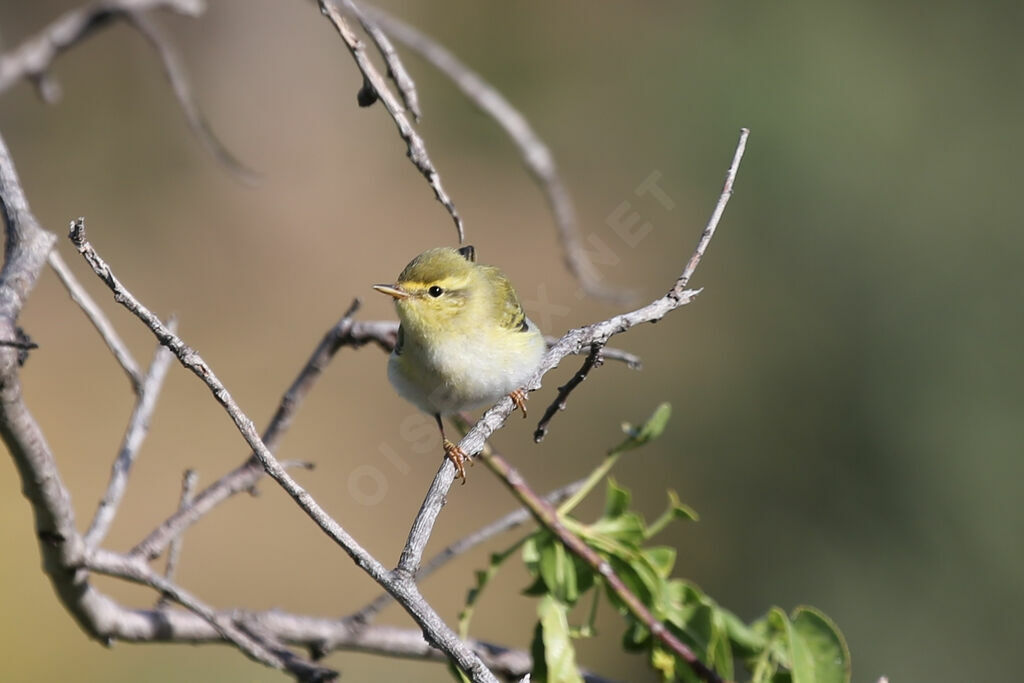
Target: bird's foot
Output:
[(519, 400), (458, 459)]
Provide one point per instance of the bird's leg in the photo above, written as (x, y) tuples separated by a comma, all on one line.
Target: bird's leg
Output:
[(519, 400), (453, 452)]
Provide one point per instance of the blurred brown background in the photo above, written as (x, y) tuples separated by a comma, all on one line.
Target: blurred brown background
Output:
[(847, 390)]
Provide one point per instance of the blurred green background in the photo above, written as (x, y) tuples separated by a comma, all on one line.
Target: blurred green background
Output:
[(848, 390)]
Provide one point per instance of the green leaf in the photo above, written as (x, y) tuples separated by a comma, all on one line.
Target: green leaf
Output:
[(648, 431), (661, 558), (664, 661), (616, 500), (818, 651), (559, 572), (719, 651), (537, 588), (627, 528), (531, 555), (559, 655), (744, 638)]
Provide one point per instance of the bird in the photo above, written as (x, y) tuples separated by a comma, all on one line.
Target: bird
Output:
[(464, 340)]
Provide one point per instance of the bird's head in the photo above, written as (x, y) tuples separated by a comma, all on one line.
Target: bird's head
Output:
[(435, 289)]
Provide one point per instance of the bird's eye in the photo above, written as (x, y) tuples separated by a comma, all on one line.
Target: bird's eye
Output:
[(435, 291)]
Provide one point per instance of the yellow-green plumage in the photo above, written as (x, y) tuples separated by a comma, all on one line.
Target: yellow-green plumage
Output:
[(464, 346)]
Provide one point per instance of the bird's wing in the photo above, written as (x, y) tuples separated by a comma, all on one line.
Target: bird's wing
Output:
[(510, 312)]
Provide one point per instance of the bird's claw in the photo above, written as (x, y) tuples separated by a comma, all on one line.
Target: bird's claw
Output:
[(519, 400), (457, 458)]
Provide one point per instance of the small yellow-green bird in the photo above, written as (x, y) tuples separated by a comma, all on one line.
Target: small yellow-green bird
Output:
[(464, 340)]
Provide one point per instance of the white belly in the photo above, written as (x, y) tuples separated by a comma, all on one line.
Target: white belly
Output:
[(464, 372)]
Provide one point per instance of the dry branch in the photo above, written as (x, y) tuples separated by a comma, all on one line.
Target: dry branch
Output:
[(34, 58), (535, 154), (573, 341), (593, 359), (465, 544), (398, 583), (138, 426), (69, 557), (396, 69), (98, 319), (417, 151)]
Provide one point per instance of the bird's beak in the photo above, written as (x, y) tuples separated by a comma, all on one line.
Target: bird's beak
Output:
[(392, 291)]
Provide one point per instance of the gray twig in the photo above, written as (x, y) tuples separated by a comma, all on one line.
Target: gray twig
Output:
[(34, 57), (465, 544), (112, 564), (346, 332), (175, 72), (398, 583), (138, 426), (396, 69), (592, 360), (188, 487), (98, 319), (535, 154), (572, 342), (62, 548), (378, 88)]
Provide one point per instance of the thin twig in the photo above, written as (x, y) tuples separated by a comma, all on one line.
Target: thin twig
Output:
[(592, 360), (188, 487), (416, 150), (98, 319), (346, 332), (176, 76), (34, 58), (396, 69), (535, 154), (631, 360), (138, 426), (398, 583), (716, 216), (574, 340), (61, 547), (463, 545)]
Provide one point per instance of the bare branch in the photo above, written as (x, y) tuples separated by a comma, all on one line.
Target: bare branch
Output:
[(535, 154), (398, 583), (716, 216), (378, 88), (34, 57), (175, 72), (465, 544), (188, 487), (573, 341), (347, 332), (592, 360), (138, 426), (112, 564), (396, 69), (98, 319)]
